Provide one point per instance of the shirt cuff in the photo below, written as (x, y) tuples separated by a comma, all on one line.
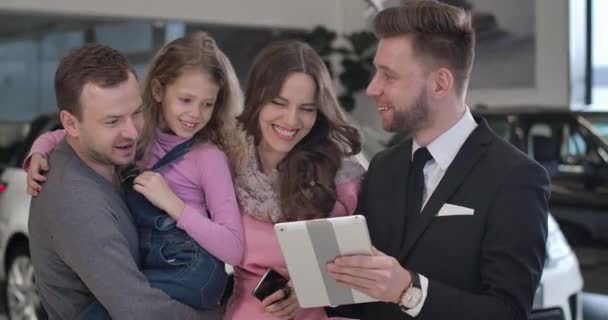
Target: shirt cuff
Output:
[(424, 284)]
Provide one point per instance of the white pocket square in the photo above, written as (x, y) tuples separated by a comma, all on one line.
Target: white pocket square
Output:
[(454, 210)]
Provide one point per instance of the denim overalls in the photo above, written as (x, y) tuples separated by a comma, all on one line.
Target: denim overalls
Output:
[(170, 259)]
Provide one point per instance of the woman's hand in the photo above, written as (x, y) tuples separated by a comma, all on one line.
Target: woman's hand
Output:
[(154, 187), (283, 303), (35, 177)]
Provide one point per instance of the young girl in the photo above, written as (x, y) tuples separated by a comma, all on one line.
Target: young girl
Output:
[(185, 191), (293, 163)]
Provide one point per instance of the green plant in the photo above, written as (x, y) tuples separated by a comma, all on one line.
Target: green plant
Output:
[(356, 59)]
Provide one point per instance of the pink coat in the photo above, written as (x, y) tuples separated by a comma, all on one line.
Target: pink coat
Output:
[(262, 251)]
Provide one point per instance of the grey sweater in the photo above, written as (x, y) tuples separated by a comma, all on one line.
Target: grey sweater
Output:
[(83, 244)]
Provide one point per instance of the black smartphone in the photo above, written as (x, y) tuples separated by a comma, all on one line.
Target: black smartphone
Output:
[(270, 282)]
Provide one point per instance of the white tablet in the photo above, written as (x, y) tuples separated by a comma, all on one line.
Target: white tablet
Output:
[(308, 246)]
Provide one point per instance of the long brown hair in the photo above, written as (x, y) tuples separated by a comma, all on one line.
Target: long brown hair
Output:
[(441, 33), (197, 51), (307, 174)]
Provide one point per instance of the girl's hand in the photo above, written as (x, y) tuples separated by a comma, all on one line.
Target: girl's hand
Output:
[(35, 177), (154, 187)]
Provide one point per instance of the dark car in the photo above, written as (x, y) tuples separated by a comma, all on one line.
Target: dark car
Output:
[(572, 147)]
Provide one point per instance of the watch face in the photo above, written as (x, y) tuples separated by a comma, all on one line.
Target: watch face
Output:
[(412, 297)]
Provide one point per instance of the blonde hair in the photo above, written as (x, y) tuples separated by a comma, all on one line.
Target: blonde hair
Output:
[(197, 51)]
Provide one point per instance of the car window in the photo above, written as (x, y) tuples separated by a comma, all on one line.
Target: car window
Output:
[(556, 141), (599, 121), (558, 147), (577, 147), (602, 128), (543, 142)]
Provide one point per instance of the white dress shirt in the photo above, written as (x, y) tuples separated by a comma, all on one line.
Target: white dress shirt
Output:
[(443, 150)]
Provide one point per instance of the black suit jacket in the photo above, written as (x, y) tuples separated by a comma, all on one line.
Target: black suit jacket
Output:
[(482, 266)]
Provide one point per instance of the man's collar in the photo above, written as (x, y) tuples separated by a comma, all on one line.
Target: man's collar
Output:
[(445, 147)]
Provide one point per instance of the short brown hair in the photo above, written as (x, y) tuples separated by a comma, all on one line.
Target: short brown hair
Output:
[(439, 31), (95, 63), (318, 156)]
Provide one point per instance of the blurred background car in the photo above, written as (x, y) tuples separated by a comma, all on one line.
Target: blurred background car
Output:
[(16, 271)]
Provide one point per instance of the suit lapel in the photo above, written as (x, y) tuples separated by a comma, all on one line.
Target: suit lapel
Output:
[(468, 155), (401, 168)]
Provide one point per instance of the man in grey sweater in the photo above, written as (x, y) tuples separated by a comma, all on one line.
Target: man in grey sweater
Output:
[(83, 240)]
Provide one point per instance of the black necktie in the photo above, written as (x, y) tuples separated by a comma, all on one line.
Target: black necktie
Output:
[(415, 184)]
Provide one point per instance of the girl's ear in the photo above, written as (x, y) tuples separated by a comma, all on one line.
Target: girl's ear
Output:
[(157, 90)]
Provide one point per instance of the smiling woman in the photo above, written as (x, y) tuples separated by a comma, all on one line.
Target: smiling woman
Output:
[(293, 163), (288, 118), (292, 114)]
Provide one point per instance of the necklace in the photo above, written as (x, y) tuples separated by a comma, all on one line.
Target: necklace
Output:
[(261, 165)]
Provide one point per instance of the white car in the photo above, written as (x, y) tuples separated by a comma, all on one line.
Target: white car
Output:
[(559, 294), (16, 270)]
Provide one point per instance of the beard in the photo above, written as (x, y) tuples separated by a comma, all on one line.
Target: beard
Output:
[(99, 157), (414, 118), (102, 157)]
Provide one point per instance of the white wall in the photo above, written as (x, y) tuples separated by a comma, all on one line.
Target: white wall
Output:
[(552, 72), (552, 87), (511, 14), (600, 48), (351, 13), (552, 57), (578, 54), (280, 13)]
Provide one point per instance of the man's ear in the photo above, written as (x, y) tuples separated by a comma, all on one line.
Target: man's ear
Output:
[(70, 123), (442, 83)]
